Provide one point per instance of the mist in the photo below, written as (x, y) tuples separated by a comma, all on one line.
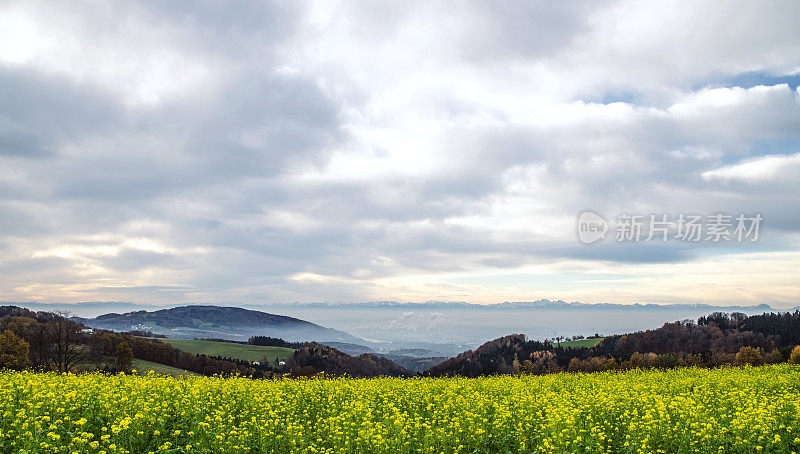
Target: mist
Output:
[(472, 327)]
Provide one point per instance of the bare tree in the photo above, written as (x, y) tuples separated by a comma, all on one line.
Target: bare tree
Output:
[(124, 357), (66, 348), (35, 333)]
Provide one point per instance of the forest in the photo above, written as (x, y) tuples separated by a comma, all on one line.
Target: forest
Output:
[(712, 340)]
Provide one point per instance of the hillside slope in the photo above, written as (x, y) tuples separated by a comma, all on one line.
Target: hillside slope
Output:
[(232, 323), (713, 340), (233, 350), (312, 358)]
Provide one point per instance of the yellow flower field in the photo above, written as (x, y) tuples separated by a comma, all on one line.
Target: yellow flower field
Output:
[(677, 411)]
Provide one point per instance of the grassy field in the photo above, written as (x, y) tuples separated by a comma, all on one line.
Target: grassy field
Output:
[(231, 349), (143, 367), (730, 410), (581, 343)]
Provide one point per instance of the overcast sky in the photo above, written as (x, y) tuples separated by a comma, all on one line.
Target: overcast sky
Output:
[(260, 152)]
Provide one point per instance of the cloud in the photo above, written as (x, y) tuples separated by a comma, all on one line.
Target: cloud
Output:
[(769, 170), (310, 151)]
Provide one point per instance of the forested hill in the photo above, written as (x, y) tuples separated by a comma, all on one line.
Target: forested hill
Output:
[(49, 341), (232, 323), (312, 358), (56, 343), (712, 340)]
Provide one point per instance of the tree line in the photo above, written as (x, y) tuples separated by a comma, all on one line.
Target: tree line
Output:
[(311, 358), (41, 340), (48, 341), (711, 341)]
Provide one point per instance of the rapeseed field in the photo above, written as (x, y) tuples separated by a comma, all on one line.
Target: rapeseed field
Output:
[(726, 410)]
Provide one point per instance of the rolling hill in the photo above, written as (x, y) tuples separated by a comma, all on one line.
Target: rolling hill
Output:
[(233, 323), (233, 350)]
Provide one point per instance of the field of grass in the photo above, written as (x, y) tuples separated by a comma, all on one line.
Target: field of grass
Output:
[(730, 410), (142, 367), (581, 343), (231, 349)]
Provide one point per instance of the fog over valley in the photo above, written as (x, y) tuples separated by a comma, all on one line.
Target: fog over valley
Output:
[(446, 328)]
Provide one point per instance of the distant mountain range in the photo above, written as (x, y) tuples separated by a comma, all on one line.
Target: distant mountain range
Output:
[(538, 304), (101, 307), (232, 323)]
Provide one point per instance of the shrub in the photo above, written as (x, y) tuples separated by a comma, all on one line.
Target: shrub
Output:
[(794, 357), (749, 355)]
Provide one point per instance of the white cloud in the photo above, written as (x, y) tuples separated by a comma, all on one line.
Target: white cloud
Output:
[(404, 150), (760, 170), (140, 63)]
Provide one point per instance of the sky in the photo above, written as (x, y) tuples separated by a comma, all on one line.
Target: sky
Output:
[(266, 152)]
